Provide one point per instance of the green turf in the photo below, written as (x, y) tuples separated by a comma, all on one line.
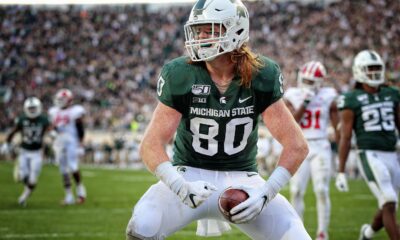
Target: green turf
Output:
[(112, 194)]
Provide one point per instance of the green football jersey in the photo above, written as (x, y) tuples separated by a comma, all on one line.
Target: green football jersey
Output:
[(374, 115), (217, 131), (32, 131)]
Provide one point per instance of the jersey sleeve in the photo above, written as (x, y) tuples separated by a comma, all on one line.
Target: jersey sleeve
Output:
[(269, 85), (396, 95), (78, 112), (346, 101), (51, 113), (164, 87), (18, 122), (278, 83), (330, 94), (175, 83), (46, 121), (290, 95)]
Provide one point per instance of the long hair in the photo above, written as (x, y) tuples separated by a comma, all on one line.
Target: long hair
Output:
[(247, 63)]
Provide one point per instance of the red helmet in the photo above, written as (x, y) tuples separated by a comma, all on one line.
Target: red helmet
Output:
[(311, 75), (63, 98)]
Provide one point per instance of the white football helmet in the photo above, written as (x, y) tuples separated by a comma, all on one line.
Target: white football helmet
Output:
[(63, 98), (311, 75), (32, 107), (368, 68), (229, 20)]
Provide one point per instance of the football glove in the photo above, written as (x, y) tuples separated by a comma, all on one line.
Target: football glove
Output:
[(5, 148), (308, 97), (259, 197), (193, 194), (341, 182)]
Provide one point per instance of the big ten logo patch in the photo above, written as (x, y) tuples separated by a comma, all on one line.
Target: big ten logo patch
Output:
[(201, 89)]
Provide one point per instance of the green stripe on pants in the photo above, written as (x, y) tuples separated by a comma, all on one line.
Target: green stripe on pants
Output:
[(366, 168)]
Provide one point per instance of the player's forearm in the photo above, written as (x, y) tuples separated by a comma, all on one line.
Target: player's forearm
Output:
[(344, 149), (293, 154), (11, 135), (152, 152), (298, 114)]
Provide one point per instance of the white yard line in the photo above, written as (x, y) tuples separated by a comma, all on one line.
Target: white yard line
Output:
[(53, 235)]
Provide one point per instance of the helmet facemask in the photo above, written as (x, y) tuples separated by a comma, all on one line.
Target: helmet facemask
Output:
[(228, 22), (311, 75), (310, 84), (372, 75), (368, 68), (32, 107), (63, 98), (205, 49)]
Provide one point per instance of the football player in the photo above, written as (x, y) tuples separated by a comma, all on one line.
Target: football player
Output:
[(32, 125), (372, 110), (213, 100), (314, 108), (67, 120)]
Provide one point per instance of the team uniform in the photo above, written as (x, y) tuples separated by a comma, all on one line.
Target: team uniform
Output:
[(66, 120), (314, 124), (32, 125), (375, 131), (216, 141), (66, 144), (30, 156)]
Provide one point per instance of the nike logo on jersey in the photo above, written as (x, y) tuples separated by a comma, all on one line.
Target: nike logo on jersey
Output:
[(388, 98), (244, 99), (191, 197), (252, 174)]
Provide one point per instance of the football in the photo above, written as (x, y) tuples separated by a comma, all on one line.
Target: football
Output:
[(230, 198)]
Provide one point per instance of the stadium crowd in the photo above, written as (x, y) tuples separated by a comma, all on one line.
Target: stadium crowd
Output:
[(110, 56)]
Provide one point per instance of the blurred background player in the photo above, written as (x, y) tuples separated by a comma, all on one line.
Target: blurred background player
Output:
[(264, 150), (372, 110), (32, 124), (314, 107), (67, 120)]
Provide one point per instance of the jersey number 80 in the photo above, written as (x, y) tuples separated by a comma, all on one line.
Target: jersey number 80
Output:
[(213, 130)]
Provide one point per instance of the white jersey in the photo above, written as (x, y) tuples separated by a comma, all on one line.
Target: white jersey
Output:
[(315, 120), (65, 120)]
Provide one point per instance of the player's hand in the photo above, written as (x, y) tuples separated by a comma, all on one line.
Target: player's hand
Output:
[(309, 95), (260, 196), (252, 207), (341, 182), (5, 149), (194, 194)]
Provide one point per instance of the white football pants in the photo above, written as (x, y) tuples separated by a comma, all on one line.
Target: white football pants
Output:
[(160, 213), (66, 153), (29, 165), (381, 171), (318, 165)]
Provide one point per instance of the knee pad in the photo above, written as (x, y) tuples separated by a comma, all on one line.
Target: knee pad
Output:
[(145, 223)]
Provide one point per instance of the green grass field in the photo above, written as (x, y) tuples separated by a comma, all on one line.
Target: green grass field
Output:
[(113, 193)]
